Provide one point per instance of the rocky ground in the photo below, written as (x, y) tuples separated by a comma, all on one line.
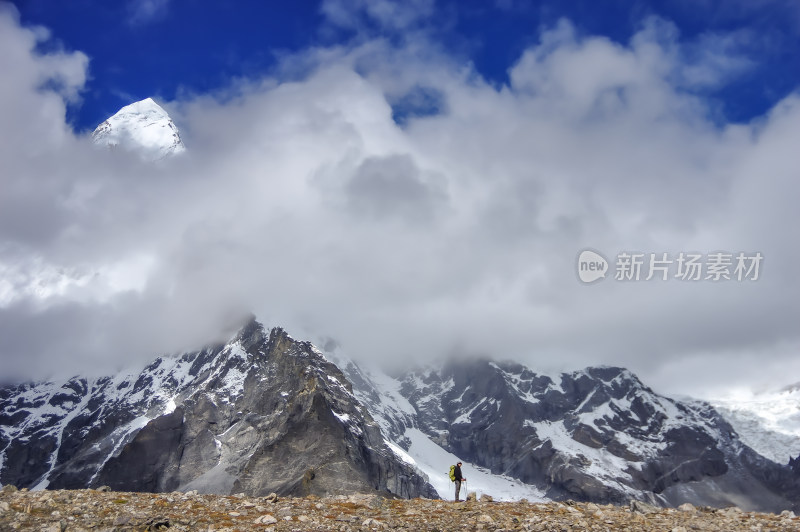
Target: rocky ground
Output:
[(78, 510)]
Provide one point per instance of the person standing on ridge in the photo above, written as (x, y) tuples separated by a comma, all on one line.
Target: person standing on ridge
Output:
[(458, 478)]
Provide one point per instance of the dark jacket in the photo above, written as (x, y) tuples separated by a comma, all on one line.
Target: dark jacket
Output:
[(457, 473)]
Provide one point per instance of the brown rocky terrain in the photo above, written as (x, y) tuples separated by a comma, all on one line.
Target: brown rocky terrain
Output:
[(95, 510)]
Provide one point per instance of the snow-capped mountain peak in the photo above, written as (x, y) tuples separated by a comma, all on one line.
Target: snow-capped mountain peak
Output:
[(261, 413), (144, 127), (595, 434), (769, 422), (265, 412)]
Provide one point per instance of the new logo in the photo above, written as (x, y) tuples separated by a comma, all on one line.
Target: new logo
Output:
[(591, 266)]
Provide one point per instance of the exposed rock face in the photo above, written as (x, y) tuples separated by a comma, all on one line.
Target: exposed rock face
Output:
[(794, 465), (150, 462), (265, 413), (258, 415), (594, 435)]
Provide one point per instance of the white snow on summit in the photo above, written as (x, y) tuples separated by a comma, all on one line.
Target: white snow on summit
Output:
[(768, 422), (142, 126)]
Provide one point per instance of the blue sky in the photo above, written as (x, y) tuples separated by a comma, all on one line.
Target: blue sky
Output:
[(166, 48)]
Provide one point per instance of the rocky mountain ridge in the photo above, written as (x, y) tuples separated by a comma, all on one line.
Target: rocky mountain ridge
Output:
[(267, 413), (261, 413), (597, 434)]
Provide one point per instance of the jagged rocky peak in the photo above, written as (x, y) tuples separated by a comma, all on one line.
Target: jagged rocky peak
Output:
[(261, 413), (143, 127), (265, 412), (253, 336), (597, 434), (794, 464)]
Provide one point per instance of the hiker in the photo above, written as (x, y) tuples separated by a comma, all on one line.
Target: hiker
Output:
[(458, 477)]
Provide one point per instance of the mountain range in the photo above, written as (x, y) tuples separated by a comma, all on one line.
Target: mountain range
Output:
[(267, 413)]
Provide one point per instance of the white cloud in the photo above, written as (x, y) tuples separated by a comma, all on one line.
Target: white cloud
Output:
[(147, 11), (41, 83), (304, 202), (355, 14)]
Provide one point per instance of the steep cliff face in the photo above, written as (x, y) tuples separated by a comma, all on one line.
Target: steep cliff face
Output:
[(262, 413), (597, 434), (266, 413)]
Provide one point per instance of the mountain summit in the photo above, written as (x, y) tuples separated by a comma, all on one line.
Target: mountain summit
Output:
[(267, 413), (262, 413), (598, 434), (144, 127)]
